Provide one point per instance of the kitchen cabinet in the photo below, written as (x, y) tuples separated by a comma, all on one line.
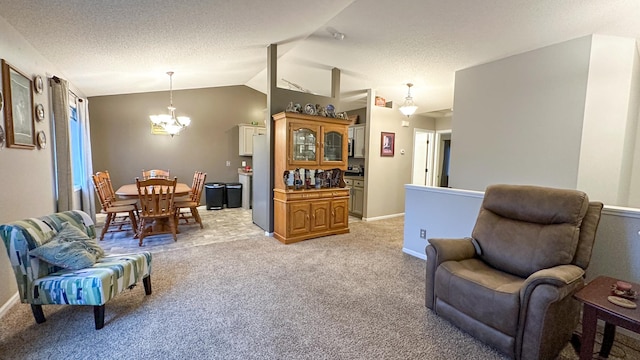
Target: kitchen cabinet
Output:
[(358, 140), (356, 194), (349, 183), (357, 197), (309, 142), (245, 139)]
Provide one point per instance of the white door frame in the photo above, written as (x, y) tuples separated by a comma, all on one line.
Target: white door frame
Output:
[(420, 159)]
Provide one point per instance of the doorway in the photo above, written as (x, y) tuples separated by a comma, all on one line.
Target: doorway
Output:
[(443, 156), (422, 166)]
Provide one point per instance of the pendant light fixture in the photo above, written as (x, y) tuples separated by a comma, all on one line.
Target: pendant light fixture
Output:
[(171, 123), (408, 107)]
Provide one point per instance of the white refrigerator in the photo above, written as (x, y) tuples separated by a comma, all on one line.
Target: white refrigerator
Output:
[(260, 182)]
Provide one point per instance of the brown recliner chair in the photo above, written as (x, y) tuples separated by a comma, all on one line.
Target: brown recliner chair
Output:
[(511, 284)]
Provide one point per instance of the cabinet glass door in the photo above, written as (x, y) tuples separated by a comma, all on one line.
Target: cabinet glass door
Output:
[(333, 145), (303, 144)]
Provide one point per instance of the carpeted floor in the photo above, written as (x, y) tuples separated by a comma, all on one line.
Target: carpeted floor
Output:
[(220, 295)]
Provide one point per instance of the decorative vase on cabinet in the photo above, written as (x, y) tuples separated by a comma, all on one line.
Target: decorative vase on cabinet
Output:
[(312, 142)]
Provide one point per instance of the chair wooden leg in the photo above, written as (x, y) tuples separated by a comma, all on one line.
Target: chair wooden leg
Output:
[(173, 227), (38, 314), (134, 222), (141, 232), (98, 314), (107, 223), (147, 285), (196, 214)]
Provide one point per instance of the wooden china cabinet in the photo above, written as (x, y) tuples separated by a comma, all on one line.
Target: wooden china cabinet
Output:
[(314, 143)]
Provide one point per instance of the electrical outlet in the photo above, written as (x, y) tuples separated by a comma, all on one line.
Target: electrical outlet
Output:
[(228, 163), (423, 233)]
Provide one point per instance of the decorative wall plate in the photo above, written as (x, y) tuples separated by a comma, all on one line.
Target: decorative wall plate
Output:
[(42, 139), (38, 84), (39, 112), (1, 137)]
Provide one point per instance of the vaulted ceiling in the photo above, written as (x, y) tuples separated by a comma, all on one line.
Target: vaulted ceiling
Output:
[(127, 46)]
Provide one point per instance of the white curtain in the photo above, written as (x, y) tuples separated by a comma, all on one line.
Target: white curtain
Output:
[(62, 149), (88, 199)]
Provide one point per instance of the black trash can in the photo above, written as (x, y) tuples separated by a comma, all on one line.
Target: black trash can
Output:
[(214, 193), (234, 195)]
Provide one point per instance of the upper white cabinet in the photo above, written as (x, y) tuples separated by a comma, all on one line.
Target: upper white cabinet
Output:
[(358, 140), (245, 141)]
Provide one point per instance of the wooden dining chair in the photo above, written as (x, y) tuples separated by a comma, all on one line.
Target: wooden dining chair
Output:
[(155, 174), (192, 203), (119, 217), (104, 175), (157, 211)]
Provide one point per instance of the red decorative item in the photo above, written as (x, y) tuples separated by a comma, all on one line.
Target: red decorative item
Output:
[(622, 285)]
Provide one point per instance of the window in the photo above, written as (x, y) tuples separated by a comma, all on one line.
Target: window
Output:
[(76, 143)]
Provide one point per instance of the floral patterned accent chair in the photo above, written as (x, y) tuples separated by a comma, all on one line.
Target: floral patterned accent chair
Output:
[(57, 261)]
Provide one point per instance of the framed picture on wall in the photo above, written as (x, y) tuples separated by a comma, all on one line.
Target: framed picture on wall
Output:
[(18, 108), (158, 130), (387, 143)]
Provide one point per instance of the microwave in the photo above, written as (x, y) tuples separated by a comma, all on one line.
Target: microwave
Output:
[(350, 147)]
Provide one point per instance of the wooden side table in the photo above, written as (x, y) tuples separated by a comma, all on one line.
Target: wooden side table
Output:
[(596, 306)]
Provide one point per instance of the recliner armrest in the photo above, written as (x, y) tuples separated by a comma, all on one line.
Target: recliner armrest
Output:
[(439, 251), (548, 293), (451, 249), (557, 275)]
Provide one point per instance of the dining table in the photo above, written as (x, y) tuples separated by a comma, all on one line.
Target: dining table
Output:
[(130, 191)]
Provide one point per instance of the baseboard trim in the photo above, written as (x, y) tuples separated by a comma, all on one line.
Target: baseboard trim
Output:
[(414, 253), (383, 217), (6, 306)]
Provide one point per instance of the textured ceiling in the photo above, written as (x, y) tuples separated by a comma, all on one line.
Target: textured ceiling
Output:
[(127, 46)]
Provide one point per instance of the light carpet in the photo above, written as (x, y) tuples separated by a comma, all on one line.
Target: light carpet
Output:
[(350, 296)]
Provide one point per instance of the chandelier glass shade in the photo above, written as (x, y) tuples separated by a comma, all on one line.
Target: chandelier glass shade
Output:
[(408, 107), (171, 123)]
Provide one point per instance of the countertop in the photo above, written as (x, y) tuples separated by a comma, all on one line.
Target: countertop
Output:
[(242, 171), (354, 177)]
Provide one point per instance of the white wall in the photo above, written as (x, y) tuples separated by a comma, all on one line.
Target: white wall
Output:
[(451, 213), (610, 120), (442, 212)]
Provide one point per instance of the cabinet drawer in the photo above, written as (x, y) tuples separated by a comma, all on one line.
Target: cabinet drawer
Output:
[(303, 196), (358, 183), (338, 193), (349, 182)]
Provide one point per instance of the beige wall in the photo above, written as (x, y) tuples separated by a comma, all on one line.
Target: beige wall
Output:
[(564, 115), (27, 175), (123, 144), (519, 119), (386, 176)]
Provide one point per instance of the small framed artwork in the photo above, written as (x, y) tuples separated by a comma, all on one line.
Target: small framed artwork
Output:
[(158, 130), (387, 143), (18, 109)]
